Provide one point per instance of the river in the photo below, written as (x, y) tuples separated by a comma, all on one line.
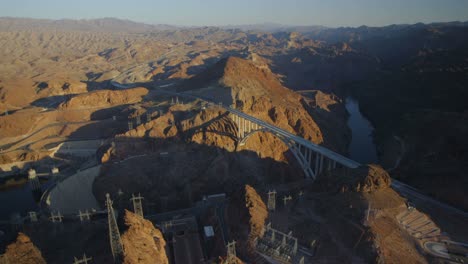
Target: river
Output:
[(19, 200), (362, 148)]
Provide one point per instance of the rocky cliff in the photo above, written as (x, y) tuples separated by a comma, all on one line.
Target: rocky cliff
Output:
[(247, 215), (105, 98), (255, 91), (365, 179), (22, 251), (142, 242), (258, 214)]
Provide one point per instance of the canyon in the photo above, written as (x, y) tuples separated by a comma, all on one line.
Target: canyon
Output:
[(127, 109)]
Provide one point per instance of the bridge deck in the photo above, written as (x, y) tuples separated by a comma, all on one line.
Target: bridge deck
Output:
[(280, 132)]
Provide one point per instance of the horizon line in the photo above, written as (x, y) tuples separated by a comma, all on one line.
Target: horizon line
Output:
[(234, 25)]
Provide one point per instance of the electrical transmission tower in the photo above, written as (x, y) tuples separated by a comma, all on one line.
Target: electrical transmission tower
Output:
[(231, 253), (137, 205), (286, 199), (302, 261), (272, 200), (56, 218), (83, 260), (114, 234), (84, 216)]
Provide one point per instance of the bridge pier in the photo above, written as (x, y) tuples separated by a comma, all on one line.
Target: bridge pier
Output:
[(312, 158), (321, 164)]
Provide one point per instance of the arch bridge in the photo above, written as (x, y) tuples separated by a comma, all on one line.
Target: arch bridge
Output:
[(313, 159)]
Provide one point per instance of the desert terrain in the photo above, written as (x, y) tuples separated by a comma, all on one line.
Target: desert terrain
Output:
[(110, 106)]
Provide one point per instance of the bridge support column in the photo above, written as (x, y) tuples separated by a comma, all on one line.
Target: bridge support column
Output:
[(321, 163), (236, 122), (243, 128), (317, 163)]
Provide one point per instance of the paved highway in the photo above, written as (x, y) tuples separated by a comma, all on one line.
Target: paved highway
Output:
[(422, 200), (407, 191), (280, 132)]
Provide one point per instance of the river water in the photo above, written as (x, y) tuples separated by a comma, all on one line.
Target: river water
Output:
[(362, 148), (19, 200)]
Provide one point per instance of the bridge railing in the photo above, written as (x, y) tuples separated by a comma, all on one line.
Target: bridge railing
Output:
[(338, 158), (301, 141)]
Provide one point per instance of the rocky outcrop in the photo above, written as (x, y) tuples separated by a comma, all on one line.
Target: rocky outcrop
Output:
[(60, 86), (256, 91), (369, 178), (23, 251), (105, 98), (247, 215), (365, 179), (142, 242), (258, 214), (236, 260)]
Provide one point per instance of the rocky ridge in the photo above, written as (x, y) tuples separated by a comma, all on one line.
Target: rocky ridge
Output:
[(142, 242)]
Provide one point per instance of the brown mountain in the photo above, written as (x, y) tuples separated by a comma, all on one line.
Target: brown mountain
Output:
[(255, 90)]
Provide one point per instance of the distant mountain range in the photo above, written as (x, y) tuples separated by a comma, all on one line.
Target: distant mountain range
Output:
[(101, 24), (122, 25)]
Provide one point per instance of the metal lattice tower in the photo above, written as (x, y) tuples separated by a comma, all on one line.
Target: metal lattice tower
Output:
[(137, 205), (286, 199), (83, 260), (56, 217), (231, 253), (114, 234), (272, 200), (84, 216), (167, 225), (301, 261)]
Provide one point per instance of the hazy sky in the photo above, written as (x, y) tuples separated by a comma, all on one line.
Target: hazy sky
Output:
[(222, 12)]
